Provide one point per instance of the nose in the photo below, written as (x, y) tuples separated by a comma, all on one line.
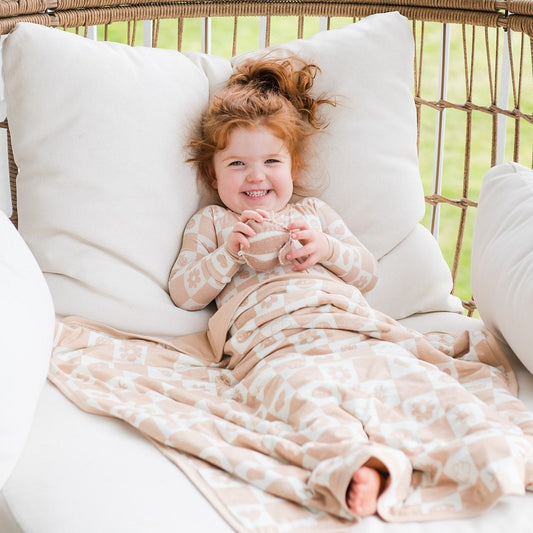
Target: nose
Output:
[(255, 174)]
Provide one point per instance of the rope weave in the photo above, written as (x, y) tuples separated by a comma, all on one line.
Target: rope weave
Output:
[(74, 13)]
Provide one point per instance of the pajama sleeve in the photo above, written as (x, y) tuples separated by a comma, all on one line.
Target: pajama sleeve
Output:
[(203, 267), (350, 260)]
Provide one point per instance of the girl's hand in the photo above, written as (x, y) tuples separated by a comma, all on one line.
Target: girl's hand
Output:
[(315, 245), (240, 233)]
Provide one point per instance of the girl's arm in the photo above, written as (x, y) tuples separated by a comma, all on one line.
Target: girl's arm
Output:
[(336, 248), (203, 267)]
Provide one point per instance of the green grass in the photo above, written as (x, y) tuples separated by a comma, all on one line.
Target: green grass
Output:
[(479, 160), (454, 159)]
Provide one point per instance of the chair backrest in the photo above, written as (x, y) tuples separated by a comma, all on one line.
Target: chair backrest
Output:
[(473, 78)]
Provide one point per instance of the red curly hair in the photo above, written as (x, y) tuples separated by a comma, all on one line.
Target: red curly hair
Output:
[(271, 92)]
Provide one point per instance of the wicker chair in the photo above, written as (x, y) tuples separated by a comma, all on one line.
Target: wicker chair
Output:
[(474, 103)]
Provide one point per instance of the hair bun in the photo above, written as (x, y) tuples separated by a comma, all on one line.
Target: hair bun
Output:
[(290, 77)]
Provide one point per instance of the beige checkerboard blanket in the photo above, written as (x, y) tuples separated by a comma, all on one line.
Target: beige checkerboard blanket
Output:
[(297, 384)]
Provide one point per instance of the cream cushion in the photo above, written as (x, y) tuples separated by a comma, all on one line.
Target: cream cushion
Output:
[(502, 256), (367, 154), (27, 318), (414, 275), (105, 193)]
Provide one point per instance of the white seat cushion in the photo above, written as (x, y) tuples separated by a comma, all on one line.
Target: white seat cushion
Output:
[(84, 473)]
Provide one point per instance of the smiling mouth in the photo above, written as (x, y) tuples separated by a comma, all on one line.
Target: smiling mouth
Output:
[(256, 194)]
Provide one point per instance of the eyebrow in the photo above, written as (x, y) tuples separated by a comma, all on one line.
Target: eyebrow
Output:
[(275, 155)]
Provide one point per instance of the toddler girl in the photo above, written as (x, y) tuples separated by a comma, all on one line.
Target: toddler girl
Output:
[(251, 149)]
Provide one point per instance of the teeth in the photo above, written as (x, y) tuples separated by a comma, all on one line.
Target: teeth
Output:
[(256, 194)]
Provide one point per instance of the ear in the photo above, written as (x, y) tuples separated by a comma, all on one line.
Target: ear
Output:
[(210, 178)]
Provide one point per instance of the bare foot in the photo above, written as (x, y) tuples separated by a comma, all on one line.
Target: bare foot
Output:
[(363, 491)]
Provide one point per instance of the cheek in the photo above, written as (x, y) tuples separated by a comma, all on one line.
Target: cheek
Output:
[(288, 184)]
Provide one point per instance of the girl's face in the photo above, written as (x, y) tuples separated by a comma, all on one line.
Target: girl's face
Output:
[(253, 171)]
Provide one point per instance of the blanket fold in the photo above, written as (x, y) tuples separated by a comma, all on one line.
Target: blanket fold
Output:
[(296, 385)]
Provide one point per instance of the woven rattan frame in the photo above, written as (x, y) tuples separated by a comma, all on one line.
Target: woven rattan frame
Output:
[(472, 22)]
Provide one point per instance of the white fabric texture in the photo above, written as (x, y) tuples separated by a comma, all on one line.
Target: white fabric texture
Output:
[(105, 193), (502, 256), (27, 318)]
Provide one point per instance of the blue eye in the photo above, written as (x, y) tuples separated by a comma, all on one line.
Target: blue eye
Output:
[(271, 161), (236, 163)]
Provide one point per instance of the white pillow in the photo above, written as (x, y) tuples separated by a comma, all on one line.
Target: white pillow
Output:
[(27, 326), (368, 151), (502, 256), (414, 278), (104, 191)]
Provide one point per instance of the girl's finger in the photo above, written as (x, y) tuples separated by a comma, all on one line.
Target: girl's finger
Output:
[(303, 235), (264, 214), (308, 263), (250, 214), (244, 229), (298, 225)]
